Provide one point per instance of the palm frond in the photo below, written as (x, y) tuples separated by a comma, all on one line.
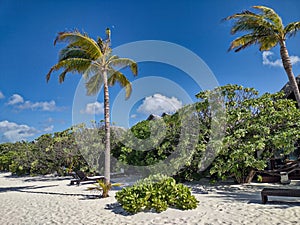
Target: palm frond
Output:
[(73, 52), (249, 21), (76, 39), (264, 28), (271, 15), (125, 62), (267, 42), (49, 73), (244, 14), (78, 65), (91, 71), (134, 68), (108, 34), (292, 28), (253, 25), (243, 42), (100, 44), (103, 187), (119, 77), (93, 85), (70, 65), (63, 75), (111, 58), (90, 58)]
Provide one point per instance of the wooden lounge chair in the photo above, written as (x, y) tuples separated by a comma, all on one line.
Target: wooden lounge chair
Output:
[(283, 174), (278, 192), (80, 177)]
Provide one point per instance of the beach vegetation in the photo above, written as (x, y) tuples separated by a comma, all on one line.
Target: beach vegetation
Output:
[(7, 154), (254, 128), (50, 153), (157, 192), (257, 127), (103, 187)]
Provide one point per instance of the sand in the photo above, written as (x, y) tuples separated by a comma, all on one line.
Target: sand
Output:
[(51, 200)]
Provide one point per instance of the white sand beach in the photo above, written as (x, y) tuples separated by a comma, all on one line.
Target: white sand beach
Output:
[(51, 200)]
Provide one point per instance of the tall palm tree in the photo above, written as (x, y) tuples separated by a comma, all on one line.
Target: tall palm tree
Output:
[(94, 60), (267, 30)]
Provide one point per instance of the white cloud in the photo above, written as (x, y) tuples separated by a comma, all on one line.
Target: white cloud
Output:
[(15, 99), (267, 60), (12, 132), (49, 129), (43, 106), (133, 116), (159, 104), (93, 108), (1, 95), (18, 102), (294, 59)]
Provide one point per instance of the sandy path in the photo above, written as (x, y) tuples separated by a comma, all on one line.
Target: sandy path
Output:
[(50, 200)]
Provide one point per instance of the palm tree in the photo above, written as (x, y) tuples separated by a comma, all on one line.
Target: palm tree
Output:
[(267, 30), (94, 60)]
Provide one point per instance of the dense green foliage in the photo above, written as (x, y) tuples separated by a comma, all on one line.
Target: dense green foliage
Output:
[(173, 138), (50, 153), (77, 148), (156, 193), (234, 138), (257, 127), (134, 150), (6, 155)]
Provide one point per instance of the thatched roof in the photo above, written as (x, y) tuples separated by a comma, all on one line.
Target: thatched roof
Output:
[(153, 117), (157, 117), (287, 89)]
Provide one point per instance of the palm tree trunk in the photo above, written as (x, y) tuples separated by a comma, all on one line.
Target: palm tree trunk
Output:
[(288, 69), (107, 129)]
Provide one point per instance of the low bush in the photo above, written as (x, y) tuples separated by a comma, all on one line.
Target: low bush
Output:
[(157, 193)]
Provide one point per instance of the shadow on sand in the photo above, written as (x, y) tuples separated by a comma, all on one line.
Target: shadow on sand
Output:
[(253, 196), (27, 178), (33, 190)]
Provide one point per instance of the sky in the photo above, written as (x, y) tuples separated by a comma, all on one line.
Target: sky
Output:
[(168, 38)]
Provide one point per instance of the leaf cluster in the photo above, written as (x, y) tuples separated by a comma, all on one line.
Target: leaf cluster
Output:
[(264, 28), (156, 193), (94, 60), (257, 127), (103, 187), (49, 153)]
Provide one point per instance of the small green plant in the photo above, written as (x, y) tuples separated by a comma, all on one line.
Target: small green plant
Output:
[(259, 178), (157, 193), (103, 187)]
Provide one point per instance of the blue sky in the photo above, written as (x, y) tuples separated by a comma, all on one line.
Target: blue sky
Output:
[(30, 107)]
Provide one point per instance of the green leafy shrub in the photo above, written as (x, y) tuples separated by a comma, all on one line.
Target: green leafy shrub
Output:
[(6, 160), (258, 127), (157, 193)]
